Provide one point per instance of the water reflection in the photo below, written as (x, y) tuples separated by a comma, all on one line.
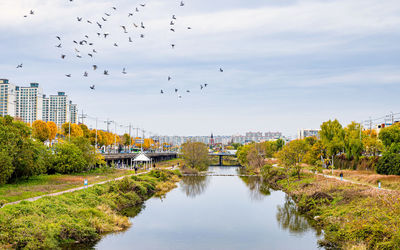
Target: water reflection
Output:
[(258, 189), (193, 186), (289, 218)]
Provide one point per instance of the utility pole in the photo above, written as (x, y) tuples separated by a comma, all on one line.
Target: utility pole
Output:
[(392, 117), (370, 125), (96, 135), (115, 136), (108, 122), (83, 116)]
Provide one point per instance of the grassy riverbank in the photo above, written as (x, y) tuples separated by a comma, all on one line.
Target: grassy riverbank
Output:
[(353, 216), (82, 216), (47, 184)]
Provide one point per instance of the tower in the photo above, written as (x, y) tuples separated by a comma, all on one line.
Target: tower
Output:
[(212, 140)]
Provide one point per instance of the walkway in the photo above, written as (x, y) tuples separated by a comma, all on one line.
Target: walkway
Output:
[(78, 188)]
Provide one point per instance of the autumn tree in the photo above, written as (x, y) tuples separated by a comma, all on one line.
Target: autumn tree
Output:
[(40, 131), (195, 155), (76, 130), (85, 130), (291, 156), (353, 140), (371, 143), (52, 130)]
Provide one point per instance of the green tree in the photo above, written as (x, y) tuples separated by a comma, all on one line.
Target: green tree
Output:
[(85, 130), (68, 158), (242, 155), (332, 137), (90, 155), (291, 156), (195, 155), (390, 136), (353, 141)]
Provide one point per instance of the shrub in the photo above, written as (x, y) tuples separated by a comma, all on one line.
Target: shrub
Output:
[(68, 158), (389, 164)]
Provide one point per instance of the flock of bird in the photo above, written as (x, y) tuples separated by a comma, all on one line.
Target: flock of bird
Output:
[(86, 43)]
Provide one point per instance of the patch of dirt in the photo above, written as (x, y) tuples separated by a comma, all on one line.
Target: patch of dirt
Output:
[(321, 196)]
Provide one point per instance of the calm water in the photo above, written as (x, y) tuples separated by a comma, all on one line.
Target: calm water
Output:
[(217, 212)]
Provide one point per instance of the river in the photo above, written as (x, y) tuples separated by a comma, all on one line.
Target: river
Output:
[(217, 212)]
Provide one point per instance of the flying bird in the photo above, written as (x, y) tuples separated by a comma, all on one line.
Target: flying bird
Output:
[(19, 66), (143, 5), (115, 45), (32, 12), (89, 21), (68, 75), (92, 87), (187, 91), (124, 28), (162, 92), (105, 72), (124, 71), (182, 3), (142, 35), (100, 26), (59, 38), (85, 74), (173, 46), (130, 14), (106, 34), (89, 54), (94, 67), (58, 46), (221, 70), (169, 78), (79, 19), (176, 90), (173, 30), (107, 14), (114, 8), (174, 17), (62, 56), (130, 40), (105, 20), (172, 23), (142, 26)]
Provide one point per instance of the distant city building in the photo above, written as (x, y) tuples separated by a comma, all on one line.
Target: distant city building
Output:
[(29, 103), (256, 137), (304, 133), (7, 98)]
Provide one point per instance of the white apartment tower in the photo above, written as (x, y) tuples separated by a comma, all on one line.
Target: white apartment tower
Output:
[(7, 98), (73, 108), (29, 102), (58, 110)]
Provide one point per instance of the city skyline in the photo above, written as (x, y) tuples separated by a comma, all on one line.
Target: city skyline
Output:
[(283, 70)]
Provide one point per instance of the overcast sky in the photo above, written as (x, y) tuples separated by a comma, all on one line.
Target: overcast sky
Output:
[(287, 64)]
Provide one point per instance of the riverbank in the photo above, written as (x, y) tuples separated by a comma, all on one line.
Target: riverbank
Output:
[(352, 216), (81, 216), (49, 184)]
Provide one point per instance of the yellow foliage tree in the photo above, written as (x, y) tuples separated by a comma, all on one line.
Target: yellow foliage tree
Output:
[(52, 130), (40, 130), (76, 130)]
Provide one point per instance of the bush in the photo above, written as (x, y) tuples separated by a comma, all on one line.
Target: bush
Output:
[(389, 164)]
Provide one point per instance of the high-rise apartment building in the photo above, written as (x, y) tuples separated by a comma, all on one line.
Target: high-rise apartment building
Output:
[(73, 109), (7, 98), (59, 111), (29, 103), (304, 133)]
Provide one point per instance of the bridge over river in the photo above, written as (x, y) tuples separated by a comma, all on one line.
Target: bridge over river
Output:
[(127, 158)]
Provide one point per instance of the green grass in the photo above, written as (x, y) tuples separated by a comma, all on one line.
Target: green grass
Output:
[(77, 217)]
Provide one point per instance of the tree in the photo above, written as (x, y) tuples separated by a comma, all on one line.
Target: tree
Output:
[(372, 143), (52, 130), (390, 135), (40, 131), (76, 130), (195, 155), (68, 158), (85, 130), (292, 155), (242, 155), (89, 153), (353, 141), (255, 156), (332, 137)]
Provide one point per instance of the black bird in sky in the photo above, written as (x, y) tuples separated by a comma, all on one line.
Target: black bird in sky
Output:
[(115, 45), (174, 17), (221, 70), (162, 92), (58, 46), (106, 34), (32, 12), (187, 91), (89, 21), (89, 54), (173, 30), (173, 46), (142, 35), (182, 3), (142, 25), (124, 71), (19, 66), (176, 90), (94, 51), (169, 78), (68, 75), (105, 20), (92, 87), (105, 72), (130, 14), (206, 84), (114, 8), (85, 74), (94, 67), (100, 26), (124, 28), (79, 19), (62, 56), (59, 38), (172, 23), (143, 5), (201, 87), (107, 14), (130, 40)]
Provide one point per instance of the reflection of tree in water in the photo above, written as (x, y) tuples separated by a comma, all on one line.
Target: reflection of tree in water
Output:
[(289, 218), (193, 186), (257, 187)]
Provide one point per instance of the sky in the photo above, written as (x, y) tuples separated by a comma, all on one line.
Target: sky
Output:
[(288, 64)]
